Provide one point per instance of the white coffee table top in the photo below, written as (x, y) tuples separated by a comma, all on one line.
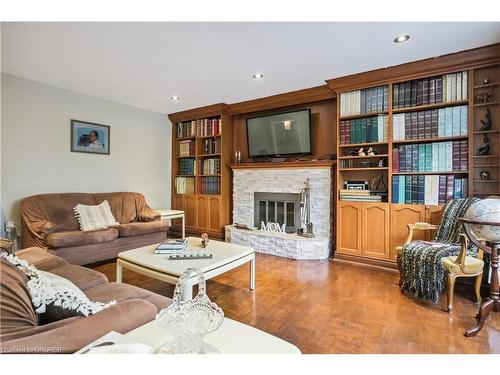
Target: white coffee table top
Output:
[(222, 252), (231, 337)]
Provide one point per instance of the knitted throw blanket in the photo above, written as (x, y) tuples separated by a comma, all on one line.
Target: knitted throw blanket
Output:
[(422, 273)]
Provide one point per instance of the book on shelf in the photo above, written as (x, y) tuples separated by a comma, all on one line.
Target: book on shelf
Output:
[(210, 185), (208, 127), (433, 90), (361, 198), (375, 99), (184, 185), (187, 148), (186, 129), (364, 130), (187, 167), (363, 192), (211, 146), (451, 156), (431, 123), (209, 166), (428, 189)]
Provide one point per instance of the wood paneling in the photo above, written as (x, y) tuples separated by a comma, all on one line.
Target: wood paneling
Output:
[(375, 230), (310, 95), (190, 211), (214, 210), (336, 307), (401, 216), (322, 130), (349, 228), (202, 212)]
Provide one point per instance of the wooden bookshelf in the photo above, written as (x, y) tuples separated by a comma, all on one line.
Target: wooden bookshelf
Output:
[(370, 232), (206, 211)]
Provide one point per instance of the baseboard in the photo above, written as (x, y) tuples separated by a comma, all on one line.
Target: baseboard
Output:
[(365, 261)]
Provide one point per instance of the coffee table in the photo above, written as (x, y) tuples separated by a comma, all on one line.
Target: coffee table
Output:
[(231, 337), (226, 256)]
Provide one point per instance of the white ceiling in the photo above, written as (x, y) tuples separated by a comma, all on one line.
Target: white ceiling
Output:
[(143, 64)]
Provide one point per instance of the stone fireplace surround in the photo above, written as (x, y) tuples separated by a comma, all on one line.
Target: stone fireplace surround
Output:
[(283, 180)]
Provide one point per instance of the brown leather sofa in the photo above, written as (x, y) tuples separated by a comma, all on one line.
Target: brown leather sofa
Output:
[(48, 221), (20, 331)]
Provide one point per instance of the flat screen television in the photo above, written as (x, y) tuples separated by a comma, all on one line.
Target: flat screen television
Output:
[(287, 133)]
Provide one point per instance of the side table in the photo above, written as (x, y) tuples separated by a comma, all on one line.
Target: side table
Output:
[(173, 214)]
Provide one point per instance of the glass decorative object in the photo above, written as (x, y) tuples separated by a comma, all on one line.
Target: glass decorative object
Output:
[(189, 321)]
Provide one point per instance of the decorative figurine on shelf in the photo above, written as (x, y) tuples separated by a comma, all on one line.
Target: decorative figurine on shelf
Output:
[(485, 149), (204, 240), (487, 121), (353, 153), (486, 81), (484, 175), (371, 152), (381, 163), (361, 152), (484, 97)]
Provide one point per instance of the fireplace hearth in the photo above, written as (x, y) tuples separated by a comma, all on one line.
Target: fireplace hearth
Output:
[(281, 208)]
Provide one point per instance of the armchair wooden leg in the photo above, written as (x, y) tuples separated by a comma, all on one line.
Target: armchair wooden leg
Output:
[(451, 289), (479, 278)]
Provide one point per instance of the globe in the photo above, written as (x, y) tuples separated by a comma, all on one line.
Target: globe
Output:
[(485, 210)]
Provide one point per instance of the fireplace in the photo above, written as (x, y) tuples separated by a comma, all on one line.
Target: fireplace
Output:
[(281, 208)]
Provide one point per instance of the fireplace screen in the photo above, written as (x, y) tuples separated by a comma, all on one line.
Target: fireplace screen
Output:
[(281, 208)]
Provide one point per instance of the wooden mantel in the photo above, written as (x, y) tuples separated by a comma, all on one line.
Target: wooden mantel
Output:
[(286, 164)]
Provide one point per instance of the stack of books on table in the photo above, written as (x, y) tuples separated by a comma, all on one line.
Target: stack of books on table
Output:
[(359, 196), (172, 246)]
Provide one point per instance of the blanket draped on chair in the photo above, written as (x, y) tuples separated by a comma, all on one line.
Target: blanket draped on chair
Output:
[(422, 273)]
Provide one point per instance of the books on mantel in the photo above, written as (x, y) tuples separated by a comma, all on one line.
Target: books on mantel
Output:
[(431, 157), (432, 123), (359, 196), (172, 246), (364, 130), (370, 100), (433, 90), (428, 189)]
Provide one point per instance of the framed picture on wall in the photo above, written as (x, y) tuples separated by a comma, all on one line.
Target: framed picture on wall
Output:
[(89, 137)]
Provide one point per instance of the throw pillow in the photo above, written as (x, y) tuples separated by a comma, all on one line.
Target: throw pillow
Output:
[(53, 296), (95, 217)]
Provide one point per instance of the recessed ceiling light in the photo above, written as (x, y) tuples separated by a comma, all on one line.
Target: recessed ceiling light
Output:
[(175, 98), (401, 38), (258, 75)]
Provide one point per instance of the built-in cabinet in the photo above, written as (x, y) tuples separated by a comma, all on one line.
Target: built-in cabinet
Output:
[(202, 213)]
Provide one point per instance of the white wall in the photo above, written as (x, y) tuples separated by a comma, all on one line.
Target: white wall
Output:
[(35, 146)]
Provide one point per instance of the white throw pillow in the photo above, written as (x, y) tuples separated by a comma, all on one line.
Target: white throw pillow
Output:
[(95, 217)]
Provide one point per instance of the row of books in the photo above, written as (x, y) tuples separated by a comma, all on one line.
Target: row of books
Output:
[(187, 167), (370, 129), (211, 146), (210, 166), (432, 123), (184, 185), (364, 101), (208, 127), (359, 196), (201, 128), (431, 157), (446, 88), (186, 129), (210, 185), (187, 148), (429, 189), (172, 246)]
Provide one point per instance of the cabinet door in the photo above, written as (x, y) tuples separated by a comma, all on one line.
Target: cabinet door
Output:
[(375, 229), (214, 214), (433, 215), (177, 204), (349, 228), (190, 211), (401, 216), (202, 212)]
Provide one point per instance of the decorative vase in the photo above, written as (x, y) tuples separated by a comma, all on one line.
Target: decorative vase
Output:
[(189, 321)]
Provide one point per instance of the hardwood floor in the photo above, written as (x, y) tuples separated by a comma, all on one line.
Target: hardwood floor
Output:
[(337, 307)]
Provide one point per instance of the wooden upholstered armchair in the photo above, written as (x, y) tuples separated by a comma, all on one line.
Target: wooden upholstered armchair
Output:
[(461, 265)]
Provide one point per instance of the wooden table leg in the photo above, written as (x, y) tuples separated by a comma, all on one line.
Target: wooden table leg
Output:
[(492, 303)]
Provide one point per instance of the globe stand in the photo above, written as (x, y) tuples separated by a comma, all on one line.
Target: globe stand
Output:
[(492, 303)]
